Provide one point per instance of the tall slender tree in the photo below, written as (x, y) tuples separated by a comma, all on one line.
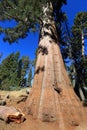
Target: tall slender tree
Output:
[(52, 97), (24, 68)]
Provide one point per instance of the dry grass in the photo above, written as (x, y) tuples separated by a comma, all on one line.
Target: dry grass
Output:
[(14, 93), (82, 126)]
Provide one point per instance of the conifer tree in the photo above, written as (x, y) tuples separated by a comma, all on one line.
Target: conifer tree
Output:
[(8, 71), (25, 65), (13, 71)]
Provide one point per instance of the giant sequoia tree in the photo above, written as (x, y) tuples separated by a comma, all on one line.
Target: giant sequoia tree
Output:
[(52, 97)]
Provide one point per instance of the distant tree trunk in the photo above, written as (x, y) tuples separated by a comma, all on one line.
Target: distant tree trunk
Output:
[(52, 97), (81, 94), (82, 43)]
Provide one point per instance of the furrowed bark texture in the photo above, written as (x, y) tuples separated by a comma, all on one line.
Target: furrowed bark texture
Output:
[(52, 97)]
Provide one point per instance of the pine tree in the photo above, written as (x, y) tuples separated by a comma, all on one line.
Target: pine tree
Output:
[(25, 67), (13, 71), (8, 71), (52, 97)]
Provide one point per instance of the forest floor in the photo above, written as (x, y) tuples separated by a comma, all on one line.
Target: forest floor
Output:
[(30, 123)]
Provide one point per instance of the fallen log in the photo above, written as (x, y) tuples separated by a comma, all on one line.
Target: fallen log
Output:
[(11, 114)]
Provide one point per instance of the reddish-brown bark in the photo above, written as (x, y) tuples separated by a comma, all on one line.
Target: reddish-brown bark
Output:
[(52, 97)]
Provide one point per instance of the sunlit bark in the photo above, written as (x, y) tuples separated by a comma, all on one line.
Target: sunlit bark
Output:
[(52, 97)]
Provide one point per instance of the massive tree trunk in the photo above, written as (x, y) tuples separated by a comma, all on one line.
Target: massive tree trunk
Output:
[(52, 97)]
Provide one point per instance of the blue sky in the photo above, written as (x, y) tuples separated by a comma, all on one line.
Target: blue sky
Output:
[(73, 7), (28, 45)]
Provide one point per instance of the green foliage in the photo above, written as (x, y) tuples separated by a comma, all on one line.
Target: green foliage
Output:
[(80, 24), (8, 70), (79, 61), (26, 15), (64, 37), (13, 71), (25, 66)]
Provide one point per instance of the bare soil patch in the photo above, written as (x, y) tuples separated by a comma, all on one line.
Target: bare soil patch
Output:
[(15, 99)]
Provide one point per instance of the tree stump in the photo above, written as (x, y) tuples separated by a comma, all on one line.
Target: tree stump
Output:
[(11, 114)]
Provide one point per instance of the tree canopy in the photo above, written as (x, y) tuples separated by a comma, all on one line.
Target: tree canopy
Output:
[(26, 15)]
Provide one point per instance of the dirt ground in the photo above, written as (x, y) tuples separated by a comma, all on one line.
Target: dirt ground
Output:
[(30, 123)]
